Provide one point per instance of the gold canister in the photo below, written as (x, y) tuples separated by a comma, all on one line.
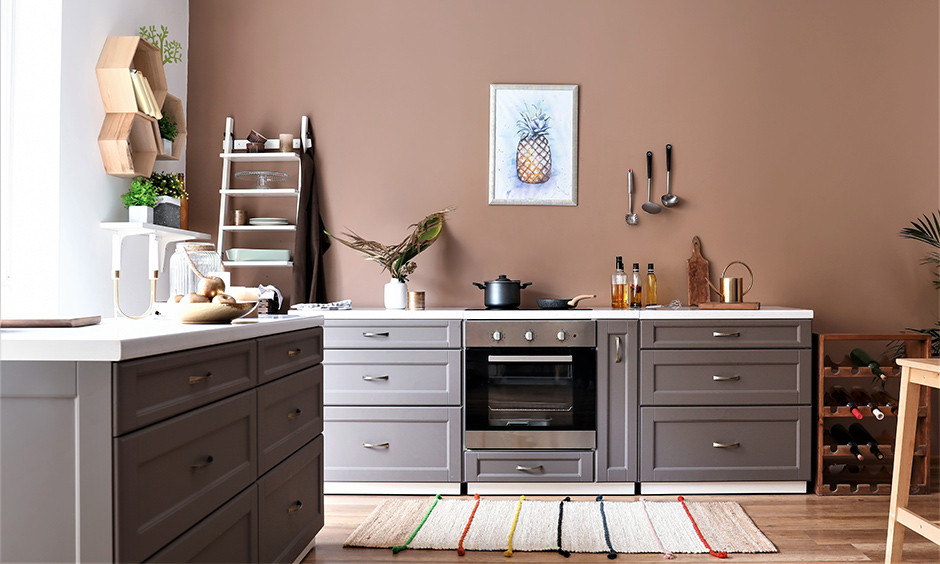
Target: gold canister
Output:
[(241, 217), (415, 300)]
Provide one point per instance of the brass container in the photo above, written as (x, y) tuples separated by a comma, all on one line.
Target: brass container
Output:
[(732, 289), (415, 300)]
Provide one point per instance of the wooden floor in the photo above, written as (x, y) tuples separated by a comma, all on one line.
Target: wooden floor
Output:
[(805, 528)]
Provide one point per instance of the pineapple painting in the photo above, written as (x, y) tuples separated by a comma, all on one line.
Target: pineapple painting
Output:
[(533, 153)]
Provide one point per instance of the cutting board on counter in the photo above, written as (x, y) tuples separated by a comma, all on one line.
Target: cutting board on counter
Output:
[(50, 322), (698, 274), (729, 305)]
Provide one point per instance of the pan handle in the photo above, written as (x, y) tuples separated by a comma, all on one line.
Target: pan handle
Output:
[(574, 301)]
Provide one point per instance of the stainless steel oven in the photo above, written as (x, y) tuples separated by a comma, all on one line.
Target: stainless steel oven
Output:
[(530, 384)]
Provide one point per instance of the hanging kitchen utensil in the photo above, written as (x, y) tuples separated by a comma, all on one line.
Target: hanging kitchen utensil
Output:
[(698, 274), (669, 199), (631, 218), (650, 206), (551, 303)]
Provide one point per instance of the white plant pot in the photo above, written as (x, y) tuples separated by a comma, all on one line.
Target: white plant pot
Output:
[(396, 295), (140, 214), (167, 147)]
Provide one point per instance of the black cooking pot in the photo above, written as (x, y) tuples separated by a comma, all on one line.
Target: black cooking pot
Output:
[(501, 293)]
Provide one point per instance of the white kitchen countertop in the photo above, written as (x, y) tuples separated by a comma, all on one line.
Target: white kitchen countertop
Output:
[(766, 312), (123, 339)]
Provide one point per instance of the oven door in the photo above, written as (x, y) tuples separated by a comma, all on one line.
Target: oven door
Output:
[(531, 398)]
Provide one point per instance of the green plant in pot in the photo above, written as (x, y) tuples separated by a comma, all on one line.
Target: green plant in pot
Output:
[(169, 131), (139, 200), (171, 191)]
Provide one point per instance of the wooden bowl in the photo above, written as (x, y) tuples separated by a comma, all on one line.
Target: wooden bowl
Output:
[(210, 312)]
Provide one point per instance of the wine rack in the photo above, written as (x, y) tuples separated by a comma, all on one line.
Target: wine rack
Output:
[(838, 470)]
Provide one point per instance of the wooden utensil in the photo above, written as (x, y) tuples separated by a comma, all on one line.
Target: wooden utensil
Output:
[(698, 274)]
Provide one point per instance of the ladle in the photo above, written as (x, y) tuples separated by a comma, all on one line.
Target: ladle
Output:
[(632, 219), (649, 206), (669, 199)]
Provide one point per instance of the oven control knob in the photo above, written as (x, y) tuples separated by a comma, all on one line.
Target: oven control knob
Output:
[(562, 335), (497, 336), (529, 335)]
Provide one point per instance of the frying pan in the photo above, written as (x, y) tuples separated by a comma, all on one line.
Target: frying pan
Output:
[(548, 303)]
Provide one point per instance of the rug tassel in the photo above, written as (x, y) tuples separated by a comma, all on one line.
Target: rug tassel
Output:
[(512, 531), (699, 533), (613, 553), (397, 549), (561, 514), (460, 549), (649, 521)]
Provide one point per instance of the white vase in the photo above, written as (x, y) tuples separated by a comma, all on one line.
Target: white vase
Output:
[(140, 214), (167, 147), (396, 295)]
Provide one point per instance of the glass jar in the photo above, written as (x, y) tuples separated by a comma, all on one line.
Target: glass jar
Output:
[(182, 278)]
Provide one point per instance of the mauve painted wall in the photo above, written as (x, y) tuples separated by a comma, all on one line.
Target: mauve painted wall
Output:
[(805, 137)]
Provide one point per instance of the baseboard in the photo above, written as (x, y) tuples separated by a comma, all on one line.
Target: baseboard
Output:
[(689, 488), (551, 488), (392, 488)]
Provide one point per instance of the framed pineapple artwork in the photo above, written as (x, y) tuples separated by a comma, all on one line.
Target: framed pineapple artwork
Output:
[(533, 145)]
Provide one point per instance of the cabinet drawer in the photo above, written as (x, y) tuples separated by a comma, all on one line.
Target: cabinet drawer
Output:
[(683, 444), (726, 377), (529, 466), (230, 534), (151, 389), (426, 334), (409, 444), (290, 414), (392, 377), (290, 502), (726, 334), (172, 474), (280, 355)]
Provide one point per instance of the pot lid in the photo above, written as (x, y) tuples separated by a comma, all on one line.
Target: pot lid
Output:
[(502, 279)]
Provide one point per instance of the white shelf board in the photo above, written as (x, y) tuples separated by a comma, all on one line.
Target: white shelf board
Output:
[(127, 228), (261, 157), (259, 228), (255, 192), (257, 263)]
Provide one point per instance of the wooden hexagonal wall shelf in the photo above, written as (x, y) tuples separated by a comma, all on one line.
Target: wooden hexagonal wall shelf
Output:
[(128, 144), (173, 108), (118, 56)]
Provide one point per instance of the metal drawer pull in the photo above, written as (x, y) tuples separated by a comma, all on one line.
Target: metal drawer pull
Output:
[(528, 468), (371, 378), (294, 414), (720, 334), (295, 508), (198, 379), (293, 352), (725, 378), (379, 445), (202, 464), (618, 358), (722, 445), (381, 334)]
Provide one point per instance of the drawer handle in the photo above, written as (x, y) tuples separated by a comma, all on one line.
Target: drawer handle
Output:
[(720, 334), (528, 468), (619, 356), (293, 352), (207, 462), (373, 378), (378, 445), (198, 379), (379, 334), (725, 378), (294, 414), (723, 445), (295, 508)]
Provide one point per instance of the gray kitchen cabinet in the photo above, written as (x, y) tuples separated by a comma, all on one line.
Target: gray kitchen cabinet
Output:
[(727, 334), (617, 406), (529, 466), (393, 400)]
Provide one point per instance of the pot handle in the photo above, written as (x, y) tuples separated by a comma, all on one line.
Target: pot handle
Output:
[(478, 285), (522, 286)]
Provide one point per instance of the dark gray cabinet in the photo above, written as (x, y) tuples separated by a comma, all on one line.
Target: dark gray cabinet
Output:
[(617, 412)]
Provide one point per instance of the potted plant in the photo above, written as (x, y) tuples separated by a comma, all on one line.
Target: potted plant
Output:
[(168, 132), (398, 260), (171, 192), (139, 200)]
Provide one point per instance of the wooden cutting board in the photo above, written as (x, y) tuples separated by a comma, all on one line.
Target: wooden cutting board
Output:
[(51, 322), (698, 274), (729, 305)]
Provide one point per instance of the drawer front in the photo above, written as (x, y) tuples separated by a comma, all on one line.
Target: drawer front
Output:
[(280, 355), (529, 466), (392, 377), (687, 444), (290, 501), (172, 474), (726, 377), (290, 414), (156, 388), (230, 534), (726, 334), (408, 444), (407, 334)]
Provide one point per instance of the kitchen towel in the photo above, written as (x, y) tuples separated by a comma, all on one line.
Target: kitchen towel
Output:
[(308, 281)]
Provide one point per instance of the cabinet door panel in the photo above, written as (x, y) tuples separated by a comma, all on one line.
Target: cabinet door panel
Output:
[(726, 334), (392, 377), (393, 334), (280, 355), (617, 401), (290, 414)]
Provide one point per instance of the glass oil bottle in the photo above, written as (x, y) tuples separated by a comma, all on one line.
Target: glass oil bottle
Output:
[(636, 287), (618, 287), (650, 286)]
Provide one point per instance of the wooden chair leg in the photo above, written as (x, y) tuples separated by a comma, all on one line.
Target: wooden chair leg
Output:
[(903, 457)]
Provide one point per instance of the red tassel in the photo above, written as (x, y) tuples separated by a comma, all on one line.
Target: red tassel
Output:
[(699, 533)]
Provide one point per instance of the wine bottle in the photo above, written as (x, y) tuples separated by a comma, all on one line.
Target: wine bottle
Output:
[(861, 358), (842, 398), (862, 436), (862, 398), (884, 399), (842, 436)]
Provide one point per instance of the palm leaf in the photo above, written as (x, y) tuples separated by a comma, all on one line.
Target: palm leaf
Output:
[(926, 230)]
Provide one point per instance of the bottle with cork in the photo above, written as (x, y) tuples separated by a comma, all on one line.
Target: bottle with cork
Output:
[(618, 286), (636, 287), (650, 285)]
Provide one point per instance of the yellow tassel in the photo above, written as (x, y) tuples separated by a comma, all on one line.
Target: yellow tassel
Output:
[(512, 531)]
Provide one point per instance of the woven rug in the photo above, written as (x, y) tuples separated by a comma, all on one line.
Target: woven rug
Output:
[(565, 526)]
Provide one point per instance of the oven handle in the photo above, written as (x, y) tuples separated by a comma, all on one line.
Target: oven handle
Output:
[(532, 358)]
